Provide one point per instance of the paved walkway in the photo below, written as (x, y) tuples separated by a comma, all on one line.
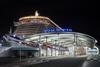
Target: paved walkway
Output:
[(30, 61)]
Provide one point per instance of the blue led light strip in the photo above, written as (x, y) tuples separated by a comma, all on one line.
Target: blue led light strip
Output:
[(57, 30)]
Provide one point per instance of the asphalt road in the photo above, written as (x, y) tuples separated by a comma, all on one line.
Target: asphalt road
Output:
[(64, 62), (69, 62), (91, 63), (61, 62)]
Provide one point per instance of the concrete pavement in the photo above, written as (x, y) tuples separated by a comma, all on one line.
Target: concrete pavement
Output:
[(55, 61), (30, 61)]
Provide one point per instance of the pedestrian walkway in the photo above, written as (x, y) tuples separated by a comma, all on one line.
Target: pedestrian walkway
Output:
[(53, 57), (30, 61)]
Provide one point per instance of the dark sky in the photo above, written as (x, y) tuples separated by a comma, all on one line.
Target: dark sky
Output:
[(79, 15)]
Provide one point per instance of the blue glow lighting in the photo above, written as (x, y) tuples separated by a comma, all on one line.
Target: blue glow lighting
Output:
[(57, 30)]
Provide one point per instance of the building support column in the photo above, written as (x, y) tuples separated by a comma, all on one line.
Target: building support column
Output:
[(51, 51), (39, 46), (46, 47)]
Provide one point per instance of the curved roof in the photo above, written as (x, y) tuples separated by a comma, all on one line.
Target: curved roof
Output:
[(32, 17), (66, 39)]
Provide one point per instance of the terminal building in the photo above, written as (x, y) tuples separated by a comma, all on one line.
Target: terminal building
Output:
[(37, 36)]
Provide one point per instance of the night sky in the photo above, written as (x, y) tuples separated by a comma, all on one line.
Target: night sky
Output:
[(79, 15)]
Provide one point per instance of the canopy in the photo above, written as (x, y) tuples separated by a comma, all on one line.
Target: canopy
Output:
[(64, 38)]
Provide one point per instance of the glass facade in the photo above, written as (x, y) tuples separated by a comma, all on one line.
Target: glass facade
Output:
[(68, 43)]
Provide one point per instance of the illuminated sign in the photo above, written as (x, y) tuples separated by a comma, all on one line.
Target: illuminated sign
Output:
[(93, 51), (57, 30)]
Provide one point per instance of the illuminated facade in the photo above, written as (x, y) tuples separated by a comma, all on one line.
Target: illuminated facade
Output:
[(40, 36), (30, 25)]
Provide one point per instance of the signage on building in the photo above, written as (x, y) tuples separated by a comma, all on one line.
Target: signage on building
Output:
[(57, 30), (93, 51)]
